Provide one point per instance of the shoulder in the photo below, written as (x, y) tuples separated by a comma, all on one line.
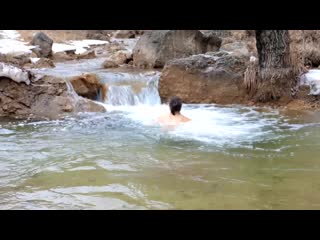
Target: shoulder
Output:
[(185, 119)]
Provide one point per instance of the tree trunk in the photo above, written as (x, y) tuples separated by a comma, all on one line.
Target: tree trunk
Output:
[(273, 49), (274, 74)]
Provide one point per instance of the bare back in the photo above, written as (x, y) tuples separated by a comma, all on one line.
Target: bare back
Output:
[(170, 119)]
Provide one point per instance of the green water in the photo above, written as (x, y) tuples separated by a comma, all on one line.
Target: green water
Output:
[(228, 158)]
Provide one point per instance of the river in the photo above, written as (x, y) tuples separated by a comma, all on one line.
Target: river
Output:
[(228, 157)]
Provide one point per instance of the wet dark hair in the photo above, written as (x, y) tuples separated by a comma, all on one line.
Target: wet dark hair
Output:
[(175, 105)]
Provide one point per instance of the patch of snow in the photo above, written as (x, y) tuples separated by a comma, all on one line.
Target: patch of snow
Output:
[(16, 74), (34, 60), (311, 79), (10, 34), (253, 59), (9, 43), (85, 44), (10, 46), (62, 47), (79, 46)]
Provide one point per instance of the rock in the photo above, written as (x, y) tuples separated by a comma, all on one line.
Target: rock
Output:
[(155, 48), (70, 55), (112, 48), (88, 86), (85, 105), (43, 43), (127, 33), (46, 96), (62, 57), (118, 58), (205, 78), (219, 33), (103, 35), (87, 55), (115, 46), (139, 32), (121, 57), (17, 60), (71, 52), (109, 64), (43, 63), (237, 48)]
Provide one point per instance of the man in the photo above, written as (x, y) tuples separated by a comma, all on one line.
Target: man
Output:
[(174, 117)]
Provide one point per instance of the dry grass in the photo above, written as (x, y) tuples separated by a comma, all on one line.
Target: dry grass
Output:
[(312, 56), (246, 36), (306, 45), (250, 77), (57, 36)]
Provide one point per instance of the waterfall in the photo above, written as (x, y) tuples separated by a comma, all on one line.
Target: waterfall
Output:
[(71, 91), (124, 95)]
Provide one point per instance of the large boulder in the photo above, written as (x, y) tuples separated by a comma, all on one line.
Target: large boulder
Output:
[(205, 78), (23, 94), (43, 43), (237, 48), (155, 48), (89, 86)]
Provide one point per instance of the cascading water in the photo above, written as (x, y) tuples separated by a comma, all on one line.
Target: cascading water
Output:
[(71, 91), (125, 95)]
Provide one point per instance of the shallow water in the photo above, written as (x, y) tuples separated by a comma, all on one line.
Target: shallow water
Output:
[(228, 157)]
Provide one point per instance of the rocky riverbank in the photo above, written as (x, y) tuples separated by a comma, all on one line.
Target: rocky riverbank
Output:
[(23, 94)]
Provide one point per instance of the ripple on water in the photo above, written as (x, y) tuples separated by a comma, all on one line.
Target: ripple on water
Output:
[(108, 165)]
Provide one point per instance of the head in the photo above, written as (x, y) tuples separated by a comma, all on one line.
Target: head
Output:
[(175, 105)]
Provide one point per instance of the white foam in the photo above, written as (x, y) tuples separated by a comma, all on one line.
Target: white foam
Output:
[(4, 131), (209, 124)]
